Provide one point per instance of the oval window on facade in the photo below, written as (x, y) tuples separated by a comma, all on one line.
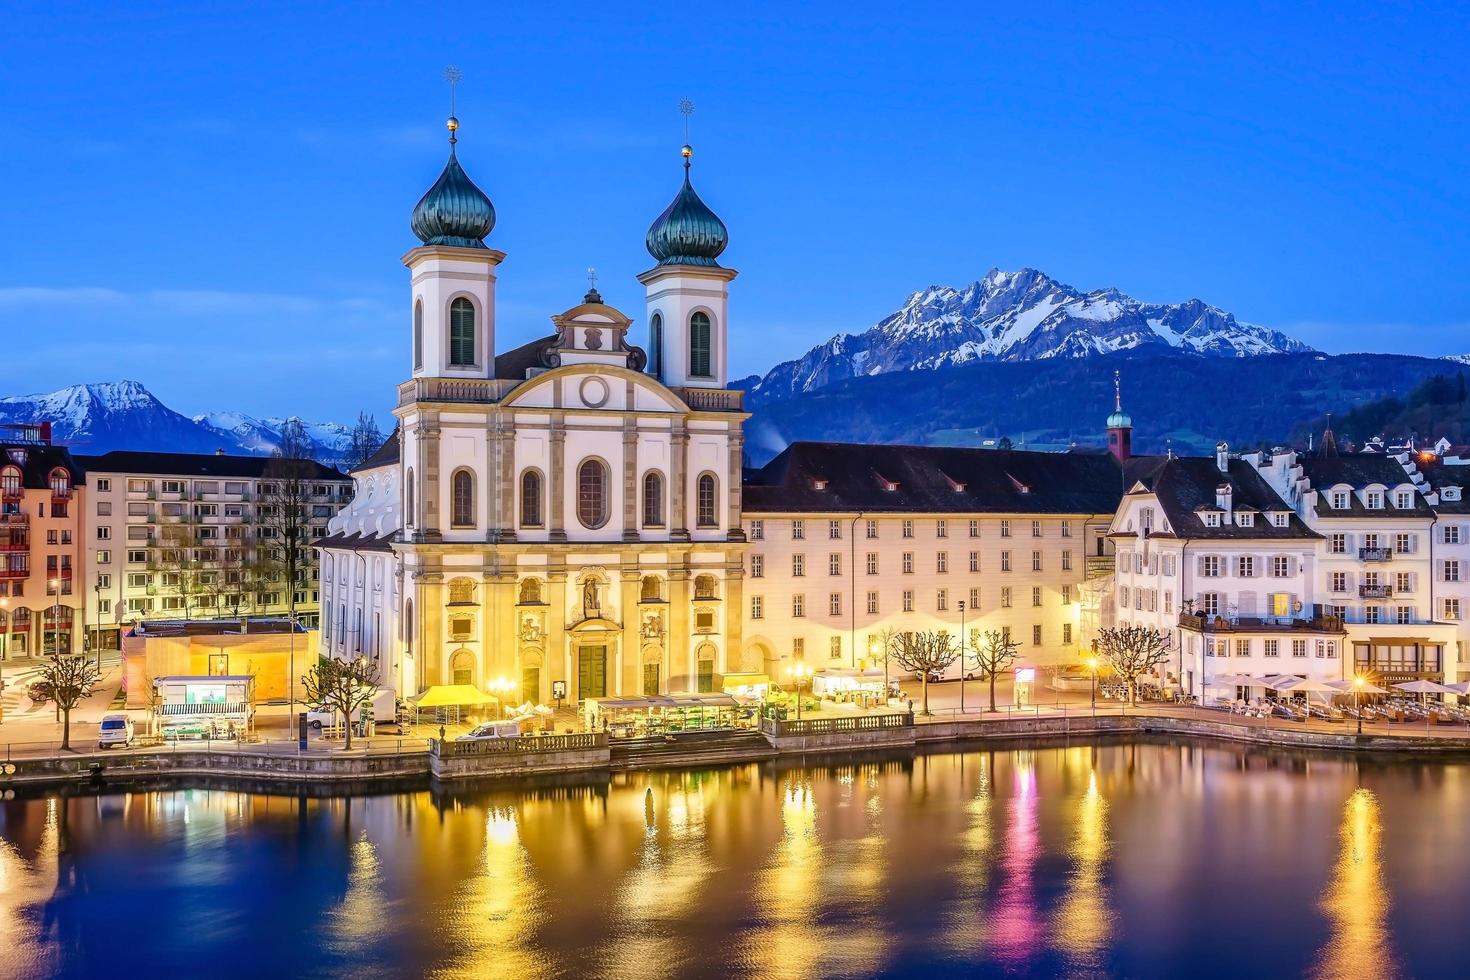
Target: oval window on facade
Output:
[(592, 493)]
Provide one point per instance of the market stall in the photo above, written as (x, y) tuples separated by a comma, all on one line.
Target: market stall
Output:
[(205, 707), (667, 714), (844, 686)]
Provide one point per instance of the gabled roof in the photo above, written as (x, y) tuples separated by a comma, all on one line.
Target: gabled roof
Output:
[(1442, 475), (355, 542), (1358, 471), (388, 453), (932, 479), (1186, 486), (39, 460), (194, 464)]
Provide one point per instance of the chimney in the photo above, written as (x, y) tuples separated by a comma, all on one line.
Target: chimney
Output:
[(1222, 457), (1222, 499)]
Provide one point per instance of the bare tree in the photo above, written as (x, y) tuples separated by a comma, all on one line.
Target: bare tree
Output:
[(882, 647), (343, 686), (365, 440), (181, 576), (992, 656), (286, 513), (69, 679), (1132, 651), (152, 701), (925, 653)]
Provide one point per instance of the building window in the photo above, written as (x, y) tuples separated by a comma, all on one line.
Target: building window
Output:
[(834, 564), (1209, 603), (653, 499), (798, 566), (975, 599), (1066, 634), (941, 528), (798, 530), (834, 604), (1405, 615), (418, 334), (700, 344), (908, 563), (104, 533), (1403, 544), (798, 605), (908, 529), (1452, 534), (834, 530), (531, 499), (1452, 570), (1371, 614), (1245, 566), (1035, 595), (1036, 529), (941, 600), (462, 490), (872, 530), (1036, 561), (1337, 545), (872, 603), (1375, 500), (1005, 597), (1403, 582), (656, 345), (1036, 635), (461, 333), (1066, 595), (706, 506), (941, 562), (757, 530), (974, 561), (1298, 648), (757, 607), (1209, 566), (974, 529), (592, 493), (1452, 609), (872, 563), (757, 566), (908, 600), (1005, 561)]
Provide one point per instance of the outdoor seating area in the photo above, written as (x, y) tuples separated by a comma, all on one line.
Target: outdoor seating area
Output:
[(658, 715), (1288, 697)]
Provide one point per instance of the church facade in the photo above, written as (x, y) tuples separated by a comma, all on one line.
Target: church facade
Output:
[(563, 519)]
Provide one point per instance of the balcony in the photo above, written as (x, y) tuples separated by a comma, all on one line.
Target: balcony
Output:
[(1375, 592), (1318, 623), (14, 574), (1100, 565), (10, 546), (469, 390), (1375, 554), (17, 519), (711, 399)]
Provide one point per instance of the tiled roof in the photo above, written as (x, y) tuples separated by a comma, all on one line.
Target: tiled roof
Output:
[(37, 460), (387, 454), (810, 477), (1358, 471), (1440, 475), (194, 464), (355, 542), (1186, 487)]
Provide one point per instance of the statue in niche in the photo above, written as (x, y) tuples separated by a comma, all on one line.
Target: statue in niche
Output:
[(530, 630), (591, 606), (653, 626)]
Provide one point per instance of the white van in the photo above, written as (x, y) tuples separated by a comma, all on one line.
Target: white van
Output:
[(114, 730)]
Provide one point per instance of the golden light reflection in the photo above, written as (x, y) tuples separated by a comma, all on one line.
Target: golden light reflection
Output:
[(497, 909), (966, 928), (790, 944), (1018, 930), (1357, 900), (23, 887), (358, 918), (1081, 922)]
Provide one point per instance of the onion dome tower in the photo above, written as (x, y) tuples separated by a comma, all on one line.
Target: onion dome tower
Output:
[(1120, 426), (454, 211), (688, 291), (453, 275)]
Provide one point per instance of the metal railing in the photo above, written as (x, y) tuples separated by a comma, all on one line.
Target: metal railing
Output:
[(451, 749), (1375, 592), (829, 726), (1375, 554)]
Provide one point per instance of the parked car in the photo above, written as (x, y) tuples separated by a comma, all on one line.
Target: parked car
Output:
[(114, 730), (491, 730), (39, 691)]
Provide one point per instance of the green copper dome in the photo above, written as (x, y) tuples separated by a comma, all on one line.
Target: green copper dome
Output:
[(454, 211), (1119, 420), (688, 232)]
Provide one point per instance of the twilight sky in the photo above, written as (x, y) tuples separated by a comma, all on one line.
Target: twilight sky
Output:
[(215, 203)]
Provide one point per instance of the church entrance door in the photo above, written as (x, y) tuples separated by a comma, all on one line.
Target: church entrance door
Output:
[(531, 684), (592, 671), (650, 678)]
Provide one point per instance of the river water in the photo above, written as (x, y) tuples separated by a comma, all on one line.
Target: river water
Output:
[(1126, 859)]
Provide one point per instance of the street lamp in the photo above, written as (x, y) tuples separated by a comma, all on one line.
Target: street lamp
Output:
[(1358, 683), (799, 672), (4, 635), (962, 656), (1092, 665), (56, 617), (501, 686)]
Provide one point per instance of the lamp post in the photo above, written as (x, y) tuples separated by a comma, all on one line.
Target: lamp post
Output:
[(962, 656), (1092, 665), (1358, 700), (4, 635), (799, 672), (55, 632), (502, 687)]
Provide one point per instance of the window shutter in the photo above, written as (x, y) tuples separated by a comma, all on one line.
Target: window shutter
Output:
[(1200, 565)]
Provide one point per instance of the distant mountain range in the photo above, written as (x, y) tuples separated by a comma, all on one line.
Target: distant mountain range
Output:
[(98, 418), (1010, 317)]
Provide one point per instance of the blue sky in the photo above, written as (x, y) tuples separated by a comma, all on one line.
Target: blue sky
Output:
[(213, 198)]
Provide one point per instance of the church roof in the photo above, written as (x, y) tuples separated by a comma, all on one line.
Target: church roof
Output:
[(388, 453), (195, 464), (454, 211), (687, 232)]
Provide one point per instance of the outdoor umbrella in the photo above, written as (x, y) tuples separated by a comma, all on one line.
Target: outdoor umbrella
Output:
[(1461, 688), (1425, 687), (1367, 687)]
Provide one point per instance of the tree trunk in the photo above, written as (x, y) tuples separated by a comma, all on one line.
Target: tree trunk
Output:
[(925, 685), (347, 729), (66, 729), (1132, 692), (992, 690)]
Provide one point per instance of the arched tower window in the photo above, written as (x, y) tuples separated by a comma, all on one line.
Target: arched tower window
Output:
[(531, 499), (461, 333), (10, 481), (653, 499), (707, 511), (530, 594), (592, 493), (651, 589), (462, 489), (418, 334), (705, 587), (701, 342), (461, 591), (656, 345)]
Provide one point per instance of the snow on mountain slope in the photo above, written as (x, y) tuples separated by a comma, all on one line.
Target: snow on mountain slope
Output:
[(97, 418), (1017, 316)]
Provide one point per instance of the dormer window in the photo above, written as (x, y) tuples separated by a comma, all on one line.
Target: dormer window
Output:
[(886, 483), (60, 481), (1245, 519), (1374, 500), (1404, 499), (1280, 519), (1450, 493), (954, 484), (1212, 518), (819, 484), (1339, 500), (10, 481)]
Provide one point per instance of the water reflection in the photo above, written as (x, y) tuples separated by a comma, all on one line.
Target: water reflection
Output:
[(1357, 900), (1148, 859)]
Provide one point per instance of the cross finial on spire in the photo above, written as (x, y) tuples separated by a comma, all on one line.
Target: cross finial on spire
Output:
[(591, 277), (593, 296), (1118, 391), (686, 109), (452, 75)]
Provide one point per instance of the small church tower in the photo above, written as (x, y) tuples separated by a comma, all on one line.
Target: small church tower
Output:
[(1120, 426)]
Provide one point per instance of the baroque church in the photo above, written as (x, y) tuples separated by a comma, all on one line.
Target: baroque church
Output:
[(561, 519)]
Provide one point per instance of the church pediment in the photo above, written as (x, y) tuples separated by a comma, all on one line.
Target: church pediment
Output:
[(595, 387)]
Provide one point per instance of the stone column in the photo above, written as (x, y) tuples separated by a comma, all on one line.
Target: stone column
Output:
[(505, 440), (558, 479), (428, 489), (734, 530), (680, 649), (429, 609), (630, 478), (678, 476), (555, 664), (632, 673), (734, 608)]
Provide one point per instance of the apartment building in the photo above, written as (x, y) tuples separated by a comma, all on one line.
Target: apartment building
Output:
[(198, 536), (849, 540), (1213, 558), (41, 501)]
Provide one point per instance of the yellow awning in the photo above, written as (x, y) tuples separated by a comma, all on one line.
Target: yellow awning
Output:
[(449, 695)]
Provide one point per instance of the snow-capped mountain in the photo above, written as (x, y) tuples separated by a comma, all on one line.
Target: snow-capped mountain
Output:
[(97, 418), (1017, 316)]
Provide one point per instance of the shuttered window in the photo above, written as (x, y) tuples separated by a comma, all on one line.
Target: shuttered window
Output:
[(461, 333), (700, 343)]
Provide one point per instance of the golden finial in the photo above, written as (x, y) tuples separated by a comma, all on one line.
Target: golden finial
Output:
[(452, 75), (686, 109)]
